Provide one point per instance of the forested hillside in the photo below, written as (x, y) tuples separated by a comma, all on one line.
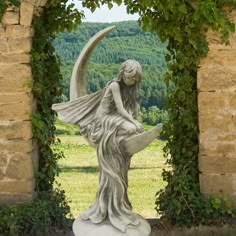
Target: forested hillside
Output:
[(127, 41)]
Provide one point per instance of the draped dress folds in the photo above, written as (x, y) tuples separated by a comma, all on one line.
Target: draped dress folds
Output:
[(100, 124)]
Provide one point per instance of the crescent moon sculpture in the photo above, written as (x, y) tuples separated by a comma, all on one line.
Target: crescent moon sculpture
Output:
[(78, 78)]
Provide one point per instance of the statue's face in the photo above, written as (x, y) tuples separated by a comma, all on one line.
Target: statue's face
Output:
[(129, 81)]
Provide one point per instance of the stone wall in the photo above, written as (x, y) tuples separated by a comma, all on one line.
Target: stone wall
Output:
[(18, 152), (217, 117)]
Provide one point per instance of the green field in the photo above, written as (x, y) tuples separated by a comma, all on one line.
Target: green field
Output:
[(79, 175)]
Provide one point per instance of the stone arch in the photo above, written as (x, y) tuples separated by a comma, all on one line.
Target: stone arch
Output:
[(18, 152)]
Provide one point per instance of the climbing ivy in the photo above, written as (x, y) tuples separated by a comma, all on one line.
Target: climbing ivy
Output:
[(184, 24)]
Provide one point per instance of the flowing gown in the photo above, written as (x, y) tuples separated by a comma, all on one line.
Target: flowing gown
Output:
[(100, 124)]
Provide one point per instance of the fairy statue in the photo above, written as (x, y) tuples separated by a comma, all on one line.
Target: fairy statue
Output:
[(107, 119)]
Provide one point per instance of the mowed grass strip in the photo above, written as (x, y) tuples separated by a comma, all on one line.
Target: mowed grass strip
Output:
[(79, 175)]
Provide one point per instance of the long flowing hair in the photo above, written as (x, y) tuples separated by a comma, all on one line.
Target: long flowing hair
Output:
[(130, 94)]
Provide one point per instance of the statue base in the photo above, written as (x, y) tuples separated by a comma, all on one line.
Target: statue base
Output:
[(88, 228)]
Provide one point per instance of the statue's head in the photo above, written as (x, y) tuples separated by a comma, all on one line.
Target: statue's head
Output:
[(130, 72)]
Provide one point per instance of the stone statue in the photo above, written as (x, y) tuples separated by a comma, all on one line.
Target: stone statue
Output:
[(107, 119)]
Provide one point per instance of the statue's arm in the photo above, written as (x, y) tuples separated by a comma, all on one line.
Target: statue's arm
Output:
[(115, 89)]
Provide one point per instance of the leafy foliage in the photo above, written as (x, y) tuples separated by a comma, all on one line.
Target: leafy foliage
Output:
[(48, 210), (184, 25)]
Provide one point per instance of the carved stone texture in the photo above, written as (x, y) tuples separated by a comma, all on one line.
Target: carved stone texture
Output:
[(19, 58), (21, 146), (217, 78), (15, 130), (217, 164), (15, 107), (216, 183), (20, 45), (26, 13), (20, 166), (10, 18), (18, 31), (15, 78)]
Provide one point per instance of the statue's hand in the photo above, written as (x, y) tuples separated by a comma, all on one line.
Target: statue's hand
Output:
[(139, 127)]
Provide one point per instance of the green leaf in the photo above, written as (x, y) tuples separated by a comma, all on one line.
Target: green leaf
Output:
[(183, 9)]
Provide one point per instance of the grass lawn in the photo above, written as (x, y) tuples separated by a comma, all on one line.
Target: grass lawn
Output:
[(79, 175)]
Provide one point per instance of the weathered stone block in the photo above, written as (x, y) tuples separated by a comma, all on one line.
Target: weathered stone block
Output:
[(16, 186), (20, 166), (220, 57), (220, 103), (14, 58), (19, 45), (13, 109), (10, 198), (15, 78), (217, 78), (18, 31), (26, 13), (3, 45), (216, 124), (211, 140), (16, 130), (20, 146), (10, 18), (212, 184), (6, 98), (217, 164)]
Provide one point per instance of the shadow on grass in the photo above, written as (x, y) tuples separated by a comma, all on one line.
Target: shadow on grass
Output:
[(81, 169), (145, 168), (95, 169)]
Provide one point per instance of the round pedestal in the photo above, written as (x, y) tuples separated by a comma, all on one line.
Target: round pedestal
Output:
[(88, 228)]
